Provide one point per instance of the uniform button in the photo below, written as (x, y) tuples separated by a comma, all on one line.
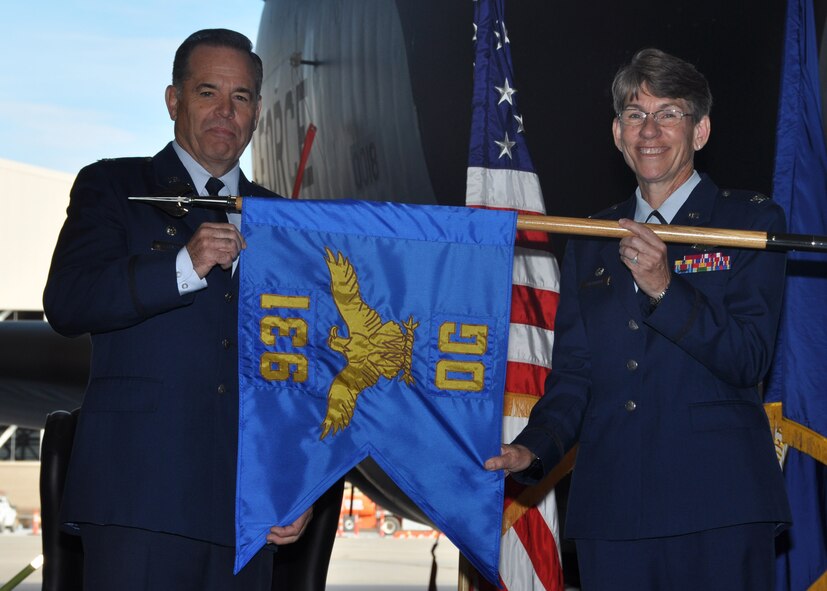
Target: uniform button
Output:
[(228, 297), (631, 365), (184, 285), (221, 388), (630, 405), (226, 343), (171, 231), (599, 271), (633, 325)]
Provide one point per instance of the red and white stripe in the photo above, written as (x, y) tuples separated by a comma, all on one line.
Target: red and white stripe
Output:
[(530, 558)]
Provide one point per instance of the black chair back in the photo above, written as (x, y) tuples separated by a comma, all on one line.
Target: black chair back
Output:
[(62, 552)]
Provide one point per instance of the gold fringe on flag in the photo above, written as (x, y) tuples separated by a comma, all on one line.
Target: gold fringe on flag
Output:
[(797, 435), (518, 405)]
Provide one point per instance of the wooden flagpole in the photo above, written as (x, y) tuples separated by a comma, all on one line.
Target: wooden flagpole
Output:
[(712, 237), (667, 233)]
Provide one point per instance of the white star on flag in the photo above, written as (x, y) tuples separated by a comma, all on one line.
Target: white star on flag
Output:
[(529, 555), (506, 146), (505, 92)]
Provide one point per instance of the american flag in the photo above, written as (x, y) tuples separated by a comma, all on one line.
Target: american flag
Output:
[(501, 176)]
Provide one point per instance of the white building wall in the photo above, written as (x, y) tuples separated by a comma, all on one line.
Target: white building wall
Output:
[(33, 202)]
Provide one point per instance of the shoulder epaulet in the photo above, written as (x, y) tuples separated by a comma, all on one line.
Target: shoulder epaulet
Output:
[(749, 196), (127, 159), (606, 212), (265, 192)]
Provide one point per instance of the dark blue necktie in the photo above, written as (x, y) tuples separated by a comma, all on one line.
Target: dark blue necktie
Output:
[(655, 214), (213, 186)]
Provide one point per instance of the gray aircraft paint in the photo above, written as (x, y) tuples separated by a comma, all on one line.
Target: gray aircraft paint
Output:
[(359, 96)]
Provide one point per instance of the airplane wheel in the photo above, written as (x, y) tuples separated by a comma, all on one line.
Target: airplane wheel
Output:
[(390, 526), (348, 523)]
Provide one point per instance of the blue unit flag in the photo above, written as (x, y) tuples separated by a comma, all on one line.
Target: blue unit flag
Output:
[(373, 329)]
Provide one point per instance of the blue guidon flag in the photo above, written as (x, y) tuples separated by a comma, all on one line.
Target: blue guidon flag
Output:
[(373, 329)]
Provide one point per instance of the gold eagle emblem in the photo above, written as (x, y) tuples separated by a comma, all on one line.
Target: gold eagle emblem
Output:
[(373, 348)]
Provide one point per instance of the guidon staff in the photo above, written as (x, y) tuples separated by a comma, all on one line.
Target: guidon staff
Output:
[(179, 206)]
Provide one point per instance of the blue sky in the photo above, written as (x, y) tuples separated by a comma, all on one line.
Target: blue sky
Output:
[(84, 79)]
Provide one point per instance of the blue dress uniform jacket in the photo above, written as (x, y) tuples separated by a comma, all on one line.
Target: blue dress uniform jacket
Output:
[(156, 441), (665, 402)]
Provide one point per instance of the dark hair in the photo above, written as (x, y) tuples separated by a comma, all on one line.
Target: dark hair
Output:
[(214, 38), (665, 76)]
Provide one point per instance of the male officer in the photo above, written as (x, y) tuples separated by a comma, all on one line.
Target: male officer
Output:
[(151, 484)]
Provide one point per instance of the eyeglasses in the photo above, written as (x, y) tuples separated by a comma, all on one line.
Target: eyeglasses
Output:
[(664, 117)]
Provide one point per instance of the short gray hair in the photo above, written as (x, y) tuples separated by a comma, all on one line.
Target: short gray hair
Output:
[(665, 76)]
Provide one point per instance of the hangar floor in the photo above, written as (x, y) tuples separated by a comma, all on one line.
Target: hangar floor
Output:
[(358, 563)]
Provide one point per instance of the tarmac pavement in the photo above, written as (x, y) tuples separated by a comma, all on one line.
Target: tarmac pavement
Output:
[(365, 562)]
